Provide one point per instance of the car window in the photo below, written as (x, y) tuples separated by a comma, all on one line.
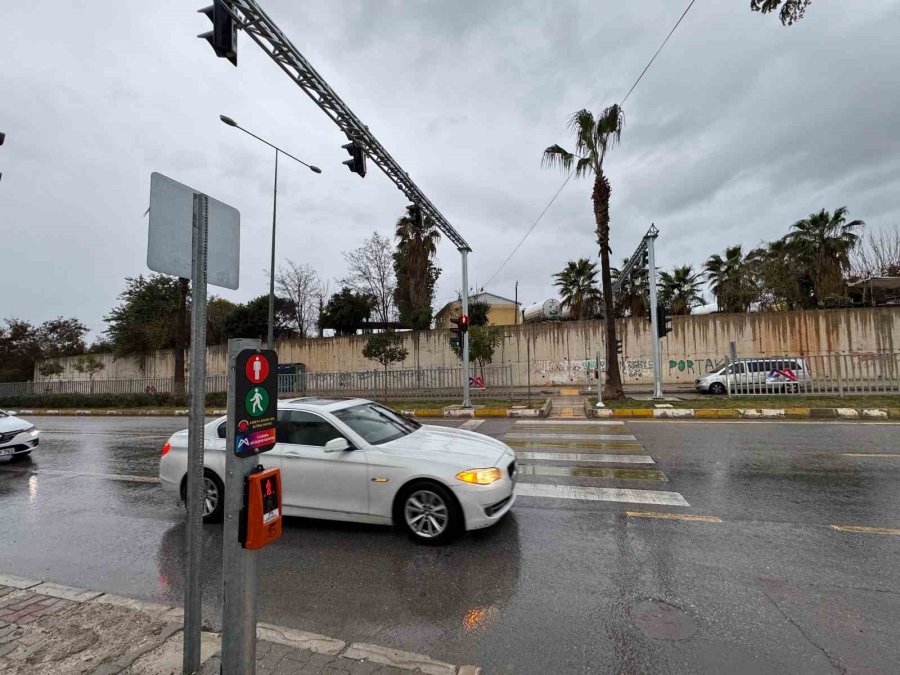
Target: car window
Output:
[(302, 428), (375, 423), (222, 431), (736, 368)]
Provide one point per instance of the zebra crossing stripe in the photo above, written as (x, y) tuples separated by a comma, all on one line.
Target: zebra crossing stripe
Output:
[(598, 494), (471, 424), (601, 472), (572, 445), (579, 423), (572, 437), (597, 458)]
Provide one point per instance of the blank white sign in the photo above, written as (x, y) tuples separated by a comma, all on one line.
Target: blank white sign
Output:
[(171, 223)]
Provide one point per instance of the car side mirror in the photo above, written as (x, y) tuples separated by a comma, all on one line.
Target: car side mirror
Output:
[(337, 445)]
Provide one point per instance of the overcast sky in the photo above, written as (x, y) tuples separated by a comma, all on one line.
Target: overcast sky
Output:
[(741, 127)]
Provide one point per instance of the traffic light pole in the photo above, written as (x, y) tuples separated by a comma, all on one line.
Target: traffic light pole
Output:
[(650, 239), (465, 336)]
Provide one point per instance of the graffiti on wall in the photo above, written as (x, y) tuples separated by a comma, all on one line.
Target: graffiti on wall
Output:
[(636, 369), (692, 367)]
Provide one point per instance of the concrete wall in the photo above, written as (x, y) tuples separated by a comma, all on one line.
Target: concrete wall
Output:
[(563, 352)]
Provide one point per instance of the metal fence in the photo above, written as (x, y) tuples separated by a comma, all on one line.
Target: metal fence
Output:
[(409, 384), (836, 375)]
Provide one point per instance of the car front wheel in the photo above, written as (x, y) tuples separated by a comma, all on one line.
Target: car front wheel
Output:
[(717, 388), (429, 513), (213, 497)]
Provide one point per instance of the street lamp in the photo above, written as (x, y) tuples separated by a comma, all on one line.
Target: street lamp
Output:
[(230, 122)]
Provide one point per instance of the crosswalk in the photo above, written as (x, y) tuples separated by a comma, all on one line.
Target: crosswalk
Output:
[(586, 460)]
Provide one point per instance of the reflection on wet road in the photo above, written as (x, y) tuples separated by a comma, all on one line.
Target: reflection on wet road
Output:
[(733, 566)]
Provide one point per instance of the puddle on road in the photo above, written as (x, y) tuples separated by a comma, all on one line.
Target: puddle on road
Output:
[(591, 472), (660, 620)]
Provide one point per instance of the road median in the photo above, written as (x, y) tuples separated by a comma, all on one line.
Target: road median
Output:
[(797, 413)]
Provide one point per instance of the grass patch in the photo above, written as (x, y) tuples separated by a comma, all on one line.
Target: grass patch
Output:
[(789, 401)]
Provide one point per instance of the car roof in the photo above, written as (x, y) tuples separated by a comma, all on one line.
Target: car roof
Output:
[(317, 403)]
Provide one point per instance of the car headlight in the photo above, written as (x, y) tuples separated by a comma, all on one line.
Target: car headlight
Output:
[(480, 476), (30, 429)]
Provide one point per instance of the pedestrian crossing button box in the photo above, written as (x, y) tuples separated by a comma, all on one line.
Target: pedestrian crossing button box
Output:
[(261, 516)]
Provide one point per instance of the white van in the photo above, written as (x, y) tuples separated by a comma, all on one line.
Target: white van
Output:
[(781, 375)]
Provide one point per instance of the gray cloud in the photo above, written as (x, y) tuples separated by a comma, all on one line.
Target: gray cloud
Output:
[(739, 129)]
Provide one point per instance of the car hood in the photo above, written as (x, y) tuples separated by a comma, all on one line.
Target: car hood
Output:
[(454, 446), (12, 423)]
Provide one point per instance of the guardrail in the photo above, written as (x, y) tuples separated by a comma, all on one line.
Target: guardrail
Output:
[(838, 374)]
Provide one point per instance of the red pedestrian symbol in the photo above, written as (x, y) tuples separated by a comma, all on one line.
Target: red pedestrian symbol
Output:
[(268, 488), (257, 368)]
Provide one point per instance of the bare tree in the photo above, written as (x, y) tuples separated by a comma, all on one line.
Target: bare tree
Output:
[(878, 254), (371, 272), (301, 285)]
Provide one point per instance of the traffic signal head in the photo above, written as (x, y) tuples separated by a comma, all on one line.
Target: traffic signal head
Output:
[(663, 321), (223, 36), (455, 334), (618, 346), (357, 161), (463, 322)]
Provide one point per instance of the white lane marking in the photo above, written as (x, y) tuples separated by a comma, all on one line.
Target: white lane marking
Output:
[(598, 458), (570, 437), (562, 423), (127, 478), (472, 424), (601, 494)]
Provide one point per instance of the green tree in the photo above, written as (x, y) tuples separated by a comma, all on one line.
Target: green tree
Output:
[(386, 349), (824, 242), (593, 138), (251, 320), (733, 289), (415, 269), (149, 316), (90, 365), (680, 289), (22, 345), (577, 285), (791, 10), (347, 311), (51, 369), (483, 342), (782, 279), (478, 312), (218, 313)]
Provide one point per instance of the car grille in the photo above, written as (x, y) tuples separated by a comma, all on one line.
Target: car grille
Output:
[(9, 435)]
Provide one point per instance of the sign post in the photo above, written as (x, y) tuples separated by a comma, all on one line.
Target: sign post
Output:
[(252, 415), (194, 237)]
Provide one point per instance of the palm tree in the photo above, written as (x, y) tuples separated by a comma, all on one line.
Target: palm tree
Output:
[(732, 290), (417, 242), (824, 241), (593, 138), (680, 290), (634, 296), (578, 287)]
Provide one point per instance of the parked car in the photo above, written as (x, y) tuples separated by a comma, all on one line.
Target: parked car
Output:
[(355, 460), (17, 437), (773, 375)]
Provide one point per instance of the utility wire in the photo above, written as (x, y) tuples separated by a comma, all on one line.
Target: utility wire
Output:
[(569, 177)]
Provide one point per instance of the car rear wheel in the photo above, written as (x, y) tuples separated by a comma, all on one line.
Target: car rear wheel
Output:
[(213, 497), (429, 513), (717, 388)]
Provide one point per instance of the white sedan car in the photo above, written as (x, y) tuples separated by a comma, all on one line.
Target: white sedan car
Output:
[(355, 460), (17, 437)]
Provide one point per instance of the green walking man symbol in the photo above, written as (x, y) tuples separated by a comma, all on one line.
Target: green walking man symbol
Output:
[(256, 401)]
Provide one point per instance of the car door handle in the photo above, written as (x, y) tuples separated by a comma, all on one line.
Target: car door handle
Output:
[(293, 453)]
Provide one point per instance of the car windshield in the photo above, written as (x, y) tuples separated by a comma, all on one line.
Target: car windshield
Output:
[(375, 423)]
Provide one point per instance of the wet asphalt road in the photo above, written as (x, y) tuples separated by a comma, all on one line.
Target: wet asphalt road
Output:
[(560, 586)]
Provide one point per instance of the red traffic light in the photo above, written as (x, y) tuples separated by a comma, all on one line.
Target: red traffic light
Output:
[(464, 321)]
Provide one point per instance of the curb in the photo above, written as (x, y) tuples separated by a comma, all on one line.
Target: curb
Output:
[(750, 413), (480, 412), (124, 412), (289, 637)]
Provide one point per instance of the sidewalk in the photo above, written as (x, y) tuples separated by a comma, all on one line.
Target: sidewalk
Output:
[(50, 628)]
